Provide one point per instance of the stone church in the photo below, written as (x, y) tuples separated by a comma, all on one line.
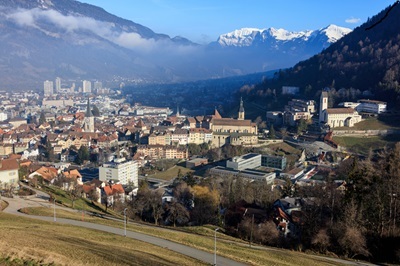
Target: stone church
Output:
[(336, 117)]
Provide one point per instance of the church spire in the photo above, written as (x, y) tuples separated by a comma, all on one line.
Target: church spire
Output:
[(89, 118), (88, 110), (241, 110)]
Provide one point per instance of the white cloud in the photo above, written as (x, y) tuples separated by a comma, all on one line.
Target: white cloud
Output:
[(352, 20), (71, 24)]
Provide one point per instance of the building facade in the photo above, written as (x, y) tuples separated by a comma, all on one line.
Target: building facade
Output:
[(89, 119), (336, 117), (247, 161), (87, 86), (48, 88), (275, 162), (124, 171), (9, 172)]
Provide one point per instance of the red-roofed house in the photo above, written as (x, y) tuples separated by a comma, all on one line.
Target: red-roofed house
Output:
[(47, 173), (71, 179), (113, 193), (8, 172), (91, 189)]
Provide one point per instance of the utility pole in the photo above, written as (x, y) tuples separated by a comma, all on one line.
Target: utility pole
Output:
[(125, 222), (251, 230), (54, 210), (215, 246)]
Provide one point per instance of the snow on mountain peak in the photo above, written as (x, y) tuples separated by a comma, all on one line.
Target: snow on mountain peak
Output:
[(247, 36), (284, 35), (334, 32), (241, 37)]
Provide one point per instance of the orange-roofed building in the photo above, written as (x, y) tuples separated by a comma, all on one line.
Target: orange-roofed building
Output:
[(113, 193), (91, 189), (74, 174), (47, 173), (9, 172)]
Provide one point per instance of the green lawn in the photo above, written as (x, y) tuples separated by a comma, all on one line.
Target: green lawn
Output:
[(203, 238), (375, 124), (171, 173), (363, 144), (64, 199)]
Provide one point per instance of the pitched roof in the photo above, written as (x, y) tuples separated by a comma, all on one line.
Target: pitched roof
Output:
[(114, 189), (217, 114), (340, 111), (87, 188), (9, 164), (48, 173), (72, 174), (231, 122)]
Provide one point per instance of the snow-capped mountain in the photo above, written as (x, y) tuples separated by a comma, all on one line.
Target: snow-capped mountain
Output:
[(253, 50), (44, 39), (246, 37)]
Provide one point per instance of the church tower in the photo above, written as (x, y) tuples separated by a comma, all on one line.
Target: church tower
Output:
[(241, 110), (323, 106), (89, 119)]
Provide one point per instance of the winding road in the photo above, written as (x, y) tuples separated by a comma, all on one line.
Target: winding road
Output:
[(42, 200)]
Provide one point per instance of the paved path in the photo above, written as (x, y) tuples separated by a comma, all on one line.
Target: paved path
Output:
[(16, 203)]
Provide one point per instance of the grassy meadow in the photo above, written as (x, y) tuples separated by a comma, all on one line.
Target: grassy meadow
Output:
[(362, 144), (25, 241), (171, 173), (203, 238)]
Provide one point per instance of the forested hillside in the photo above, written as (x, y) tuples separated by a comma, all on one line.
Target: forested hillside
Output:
[(365, 60)]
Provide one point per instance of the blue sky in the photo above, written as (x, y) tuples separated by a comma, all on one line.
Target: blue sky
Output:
[(203, 21)]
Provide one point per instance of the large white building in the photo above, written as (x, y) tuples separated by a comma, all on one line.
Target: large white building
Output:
[(336, 117), (367, 106), (58, 84), (3, 116), (247, 161), (48, 88), (124, 171), (87, 86), (97, 86), (250, 174)]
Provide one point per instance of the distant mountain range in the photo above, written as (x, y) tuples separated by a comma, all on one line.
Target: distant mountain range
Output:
[(364, 63), (272, 38), (44, 39)]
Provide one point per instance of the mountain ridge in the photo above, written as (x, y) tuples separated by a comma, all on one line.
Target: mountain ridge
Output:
[(44, 39), (364, 63), (247, 36)]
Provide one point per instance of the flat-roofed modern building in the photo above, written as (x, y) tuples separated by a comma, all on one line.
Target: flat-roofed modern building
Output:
[(372, 106), (250, 174), (120, 169), (275, 162), (247, 161)]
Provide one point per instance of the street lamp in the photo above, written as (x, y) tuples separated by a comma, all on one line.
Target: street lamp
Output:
[(54, 205), (125, 222), (215, 246)]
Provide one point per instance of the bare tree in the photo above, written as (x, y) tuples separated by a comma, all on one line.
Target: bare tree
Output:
[(321, 241), (177, 212), (155, 202), (75, 193)]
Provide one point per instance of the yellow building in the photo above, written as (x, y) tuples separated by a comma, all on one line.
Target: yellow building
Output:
[(233, 131)]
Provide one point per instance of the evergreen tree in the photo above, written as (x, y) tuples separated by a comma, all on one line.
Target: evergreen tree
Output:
[(42, 118), (83, 155), (95, 111), (272, 132)]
